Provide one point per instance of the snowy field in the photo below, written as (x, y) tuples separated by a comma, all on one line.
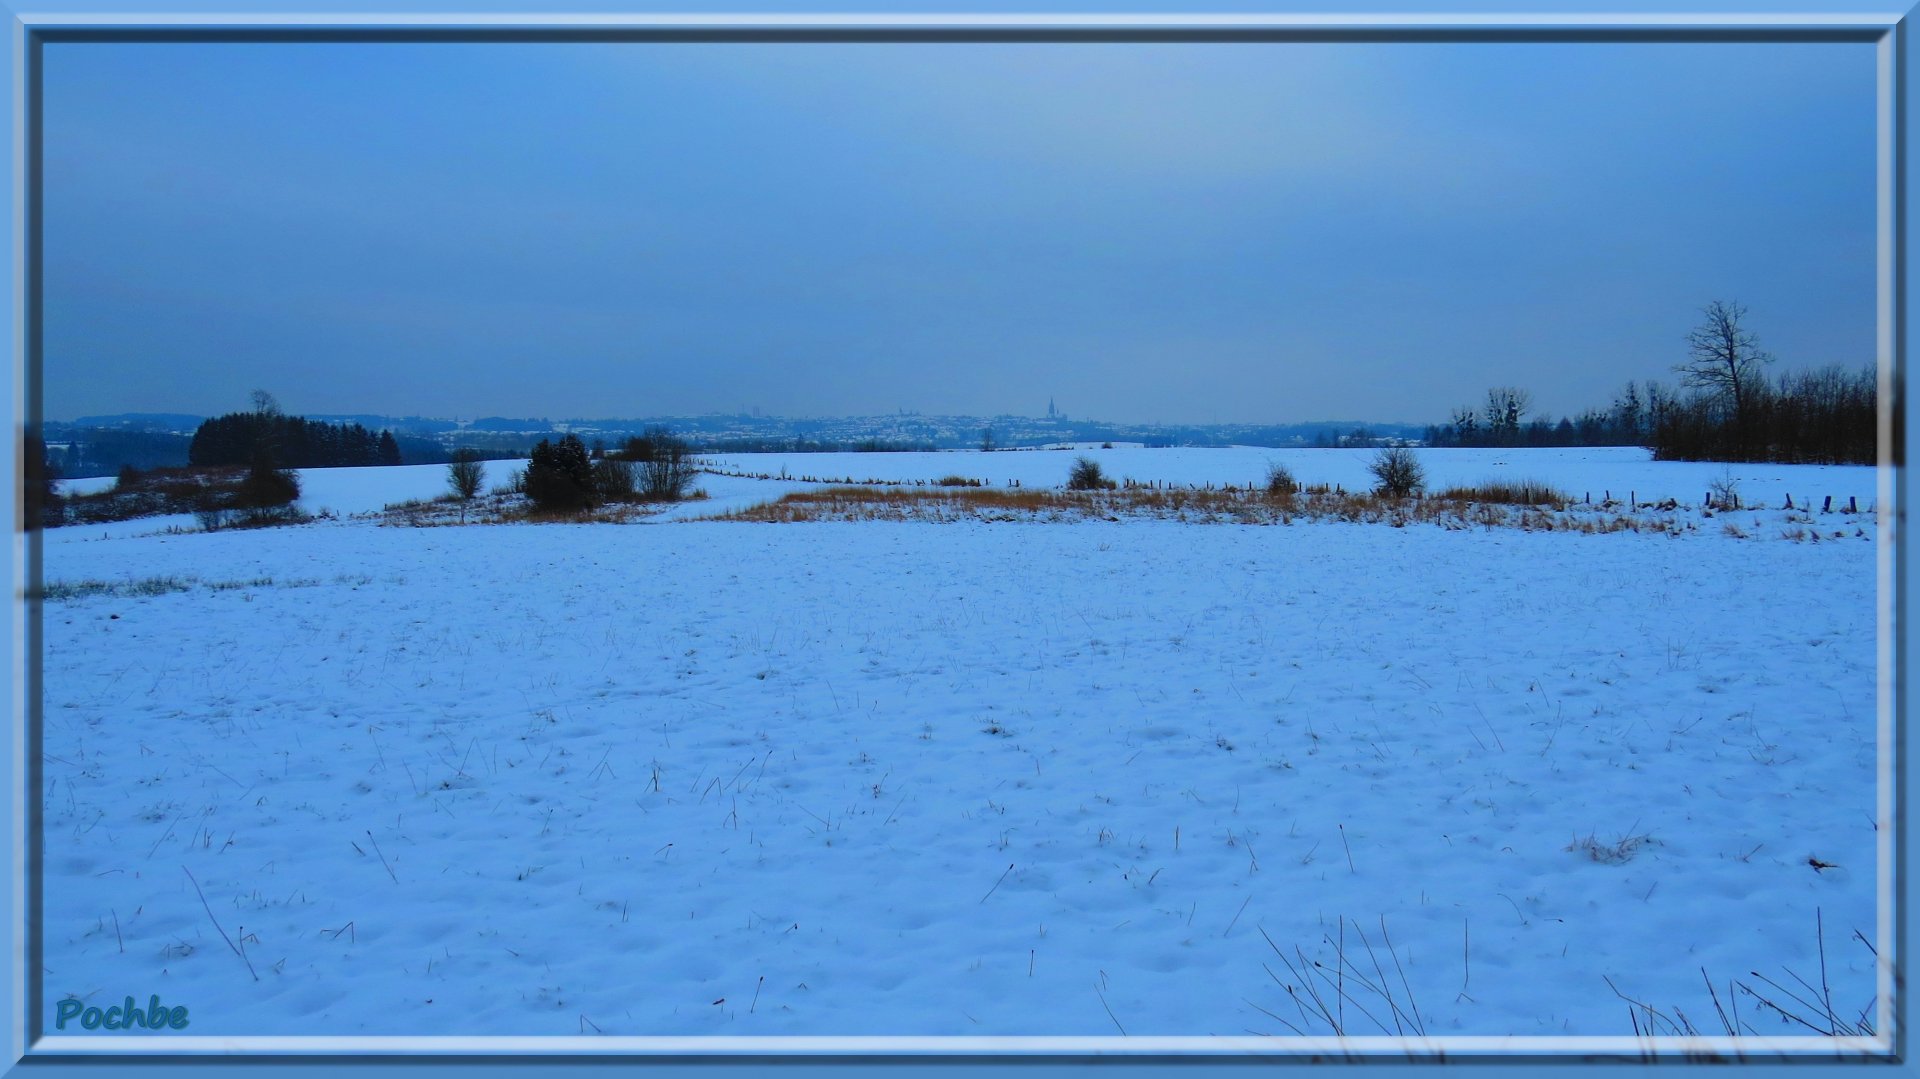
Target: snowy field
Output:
[(1622, 471), (704, 778)]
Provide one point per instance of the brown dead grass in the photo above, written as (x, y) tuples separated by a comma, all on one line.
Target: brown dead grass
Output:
[(499, 509), (1197, 505)]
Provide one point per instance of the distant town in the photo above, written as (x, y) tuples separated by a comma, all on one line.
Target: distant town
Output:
[(1726, 407), (102, 445)]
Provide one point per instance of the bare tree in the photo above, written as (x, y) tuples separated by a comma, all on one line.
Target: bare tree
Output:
[(1397, 472), (1466, 425), (464, 474), (1518, 402), (1505, 406), (613, 479), (667, 465), (1628, 413), (987, 441), (1724, 358), (267, 484)]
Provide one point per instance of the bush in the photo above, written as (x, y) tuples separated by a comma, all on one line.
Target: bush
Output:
[(956, 481), (560, 477), (209, 514), (264, 496), (667, 467), (464, 474), (1087, 475), (266, 488), (613, 480), (1280, 479), (1725, 491), (1397, 472)]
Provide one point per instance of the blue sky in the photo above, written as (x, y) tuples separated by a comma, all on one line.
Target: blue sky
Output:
[(1180, 233)]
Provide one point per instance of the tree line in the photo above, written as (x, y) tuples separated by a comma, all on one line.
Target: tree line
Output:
[(295, 442), (104, 451), (1726, 408), (1501, 421)]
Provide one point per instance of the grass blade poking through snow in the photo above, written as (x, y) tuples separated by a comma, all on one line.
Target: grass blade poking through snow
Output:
[(216, 923)]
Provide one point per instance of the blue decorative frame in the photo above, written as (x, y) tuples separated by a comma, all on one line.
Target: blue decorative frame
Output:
[(1710, 21)]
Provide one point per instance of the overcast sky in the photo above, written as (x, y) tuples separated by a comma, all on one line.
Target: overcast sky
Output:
[(1177, 233)]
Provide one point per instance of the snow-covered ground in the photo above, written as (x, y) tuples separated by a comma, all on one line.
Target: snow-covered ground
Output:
[(1624, 472), (734, 779)]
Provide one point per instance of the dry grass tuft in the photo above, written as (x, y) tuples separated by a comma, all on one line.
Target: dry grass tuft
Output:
[(1511, 493), (1618, 852)]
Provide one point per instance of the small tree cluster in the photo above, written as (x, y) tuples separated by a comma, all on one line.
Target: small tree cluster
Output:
[(560, 476), (665, 464), (266, 493), (656, 466)]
